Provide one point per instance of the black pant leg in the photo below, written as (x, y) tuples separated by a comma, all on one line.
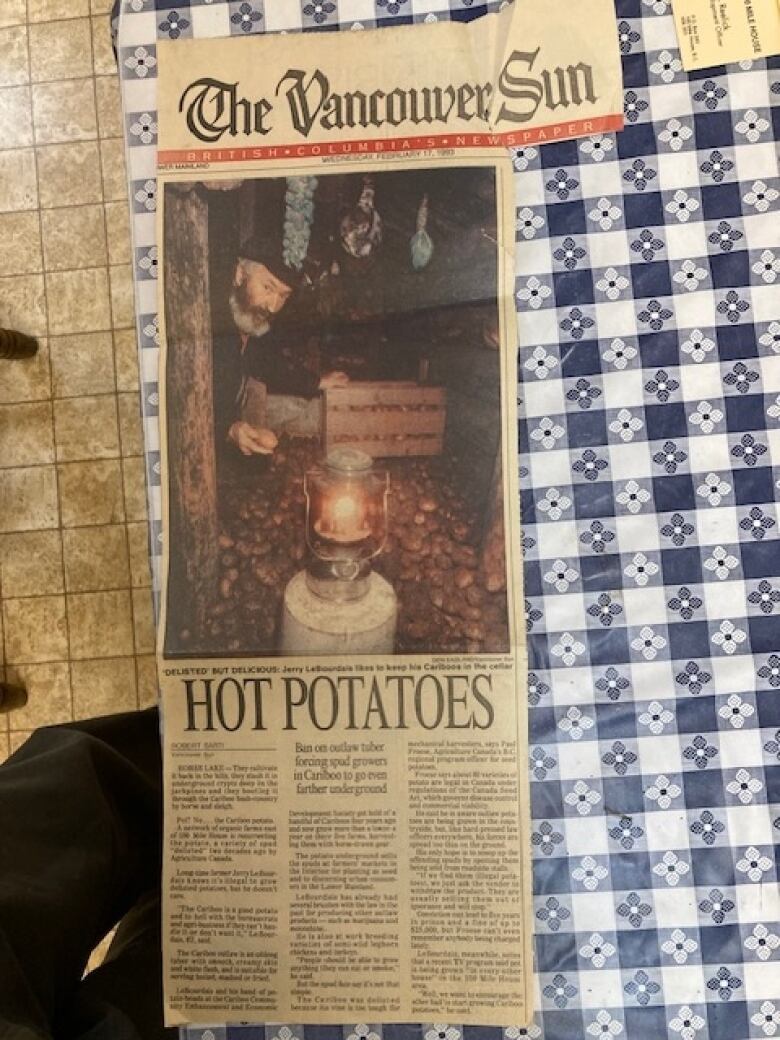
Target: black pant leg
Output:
[(123, 998), (80, 843)]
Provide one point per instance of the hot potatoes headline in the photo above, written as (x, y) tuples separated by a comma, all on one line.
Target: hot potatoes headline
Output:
[(348, 702)]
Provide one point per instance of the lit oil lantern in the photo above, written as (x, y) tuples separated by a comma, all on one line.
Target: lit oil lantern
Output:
[(346, 523)]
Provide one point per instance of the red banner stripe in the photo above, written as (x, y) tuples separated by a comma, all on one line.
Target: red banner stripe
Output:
[(512, 139)]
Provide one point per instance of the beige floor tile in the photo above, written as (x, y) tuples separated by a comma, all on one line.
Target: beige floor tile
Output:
[(29, 498), (18, 188), (69, 174), (13, 49), (85, 428), (20, 236), (48, 10), (109, 108), (12, 12), (118, 231), (100, 6), (78, 301), (130, 428), (64, 111), (27, 379), (112, 161), (143, 621), (16, 117), (35, 630), (100, 624), (73, 237), (96, 558), (48, 695), (16, 739), (5, 748), (103, 687), (126, 358), (60, 50), (91, 493), (138, 541), (82, 365), (26, 434), (104, 62), (23, 304), (98, 955), (31, 563), (148, 685), (122, 303), (135, 487)]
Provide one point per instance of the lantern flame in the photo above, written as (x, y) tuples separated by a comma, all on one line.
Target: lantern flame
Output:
[(342, 519)]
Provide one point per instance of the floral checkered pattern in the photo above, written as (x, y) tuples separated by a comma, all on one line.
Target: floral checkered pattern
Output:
[(648, 266)]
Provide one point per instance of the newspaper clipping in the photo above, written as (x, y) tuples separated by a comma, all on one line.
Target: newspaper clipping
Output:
[(342, 643)]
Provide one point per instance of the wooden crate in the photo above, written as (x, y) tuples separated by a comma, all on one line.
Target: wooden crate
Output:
[(385, 418)]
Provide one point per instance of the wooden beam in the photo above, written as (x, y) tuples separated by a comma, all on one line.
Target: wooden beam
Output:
[(193, 526)]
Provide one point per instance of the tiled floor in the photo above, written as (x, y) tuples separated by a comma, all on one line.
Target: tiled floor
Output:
[(76, 621)]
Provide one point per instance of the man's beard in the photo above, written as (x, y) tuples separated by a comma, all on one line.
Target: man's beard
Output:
[(251, 321)]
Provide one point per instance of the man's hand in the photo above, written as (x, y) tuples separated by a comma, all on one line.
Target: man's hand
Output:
[(252, 440), (333, 379)]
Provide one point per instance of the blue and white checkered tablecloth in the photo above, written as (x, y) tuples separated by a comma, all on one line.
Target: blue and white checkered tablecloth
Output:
[(648, 275)]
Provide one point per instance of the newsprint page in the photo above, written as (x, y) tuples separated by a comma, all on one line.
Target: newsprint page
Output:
[(341, 647)]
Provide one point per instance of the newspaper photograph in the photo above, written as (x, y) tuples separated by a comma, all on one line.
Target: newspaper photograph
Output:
[(341, 645), (357, 416)]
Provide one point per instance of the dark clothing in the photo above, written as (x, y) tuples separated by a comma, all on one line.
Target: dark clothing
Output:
[(278, 359), (80, 850)]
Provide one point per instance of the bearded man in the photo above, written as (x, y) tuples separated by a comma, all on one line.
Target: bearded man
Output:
[(266, 376)]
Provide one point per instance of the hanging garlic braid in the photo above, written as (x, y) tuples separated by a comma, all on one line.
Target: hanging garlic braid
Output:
[(298, 219)]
